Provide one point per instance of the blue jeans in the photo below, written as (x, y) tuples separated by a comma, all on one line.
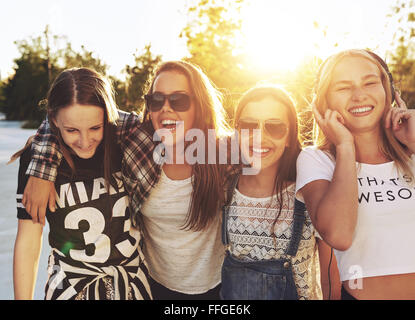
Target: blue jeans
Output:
[(257, 280), (264, 279)]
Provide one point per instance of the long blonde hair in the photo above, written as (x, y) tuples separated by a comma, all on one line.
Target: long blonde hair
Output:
[(390, 147)]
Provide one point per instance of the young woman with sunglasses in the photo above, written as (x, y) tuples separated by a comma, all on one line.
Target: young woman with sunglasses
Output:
[(272, 249), (95, 253), (357, 183), (177, 204)]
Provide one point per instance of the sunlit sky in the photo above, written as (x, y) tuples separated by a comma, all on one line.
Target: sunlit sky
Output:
[(277, 34)]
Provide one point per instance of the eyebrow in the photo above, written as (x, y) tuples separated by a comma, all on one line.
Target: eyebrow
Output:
[(368, 76), (97, 125), (177, 91)]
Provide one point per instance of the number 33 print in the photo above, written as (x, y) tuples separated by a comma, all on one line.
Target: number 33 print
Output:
[(94, 235)]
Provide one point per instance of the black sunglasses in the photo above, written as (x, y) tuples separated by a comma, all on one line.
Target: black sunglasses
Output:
[(276, 129), (178, 101)]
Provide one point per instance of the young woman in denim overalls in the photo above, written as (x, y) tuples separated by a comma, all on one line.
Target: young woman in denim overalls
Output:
[(271, 245)]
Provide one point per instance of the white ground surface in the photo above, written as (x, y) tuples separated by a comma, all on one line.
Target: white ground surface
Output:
[(12, 138)]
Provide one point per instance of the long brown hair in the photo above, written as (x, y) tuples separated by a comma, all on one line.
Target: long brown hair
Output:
[(84, 86), (81, 86), (207, 181), (287, 163), (390, 147)]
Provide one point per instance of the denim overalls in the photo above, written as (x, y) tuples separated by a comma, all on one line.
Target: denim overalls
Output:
[(264, 279)]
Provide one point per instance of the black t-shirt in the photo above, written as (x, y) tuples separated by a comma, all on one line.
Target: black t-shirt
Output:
[(87, 225)]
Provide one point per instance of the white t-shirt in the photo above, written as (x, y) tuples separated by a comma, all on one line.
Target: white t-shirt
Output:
[(384, 238), (185, 261)]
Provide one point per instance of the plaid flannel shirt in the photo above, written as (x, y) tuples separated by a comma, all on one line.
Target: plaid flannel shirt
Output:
[(140, 171)]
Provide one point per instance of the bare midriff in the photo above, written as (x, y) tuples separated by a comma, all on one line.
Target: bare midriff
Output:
[(391, 287)]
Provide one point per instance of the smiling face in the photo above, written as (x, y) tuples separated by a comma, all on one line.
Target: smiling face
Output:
[(357, 93), (268, 149), (169, 82), (81, 128)]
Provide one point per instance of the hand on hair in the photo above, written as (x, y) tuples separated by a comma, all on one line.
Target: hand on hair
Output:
[(37, 195), (332, 125), (402, 122)]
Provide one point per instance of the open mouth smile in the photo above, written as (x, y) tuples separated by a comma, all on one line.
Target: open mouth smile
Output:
[(170, 124), (361, 110)]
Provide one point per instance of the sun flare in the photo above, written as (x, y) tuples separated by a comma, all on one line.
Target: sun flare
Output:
[(274, 38)]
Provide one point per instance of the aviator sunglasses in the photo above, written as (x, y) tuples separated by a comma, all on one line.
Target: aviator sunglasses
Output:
[(275, 129), (177, 101)]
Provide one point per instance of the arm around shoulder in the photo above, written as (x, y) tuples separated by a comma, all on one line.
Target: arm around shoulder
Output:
[(46, 154)]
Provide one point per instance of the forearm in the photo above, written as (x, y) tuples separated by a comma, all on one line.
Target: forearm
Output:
[(26, 259), (127, 124), (336, 214), (46, 154)]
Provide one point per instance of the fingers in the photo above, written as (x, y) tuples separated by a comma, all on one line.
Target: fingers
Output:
[(395, 117), (52, 200), (317, 114), (35, 217), (33, 213), (399, 101), (336, 116), (392, 119), (41, 215), (30, 208)]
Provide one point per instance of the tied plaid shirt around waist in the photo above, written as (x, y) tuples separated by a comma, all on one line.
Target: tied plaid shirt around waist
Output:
[(140, 171)]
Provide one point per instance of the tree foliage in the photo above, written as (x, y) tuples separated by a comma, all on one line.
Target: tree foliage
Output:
[(28, 86), (35, 69), (402, 59), (131, 92), (211, 35)]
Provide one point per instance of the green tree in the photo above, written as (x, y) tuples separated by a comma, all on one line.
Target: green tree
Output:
[(211, 34), (130, 95), (84, 58), (402, 59), (35, 69), (23, 91)]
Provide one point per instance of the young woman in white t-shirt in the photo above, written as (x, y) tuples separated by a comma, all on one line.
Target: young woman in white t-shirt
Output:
[(358, 181), (177, 202), (181, 216)]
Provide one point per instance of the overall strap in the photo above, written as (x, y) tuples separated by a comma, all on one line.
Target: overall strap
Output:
[(298, 224), (225, 210)]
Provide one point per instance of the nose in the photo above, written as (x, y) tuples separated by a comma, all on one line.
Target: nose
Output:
[(84, 140), (263, 130), (357, 93), (166, 106), (258, 135)]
